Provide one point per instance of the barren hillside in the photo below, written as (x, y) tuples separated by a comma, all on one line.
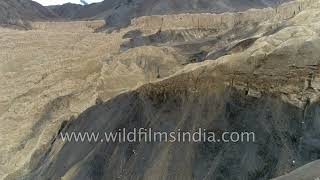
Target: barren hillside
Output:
[(18, 12), (64, 63), (120, 12), (67, 11), (256, 70), (269, 86)]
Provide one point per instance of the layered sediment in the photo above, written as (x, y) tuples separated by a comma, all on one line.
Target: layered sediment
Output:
[(224, 20)]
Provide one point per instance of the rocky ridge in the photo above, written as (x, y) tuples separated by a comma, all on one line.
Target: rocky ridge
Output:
[(226, 20), (119, 13)]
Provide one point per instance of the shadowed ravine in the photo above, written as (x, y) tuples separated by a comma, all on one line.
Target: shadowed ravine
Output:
[(282, 138)]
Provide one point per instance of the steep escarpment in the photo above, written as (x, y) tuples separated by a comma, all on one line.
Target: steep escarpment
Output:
[(209, 36), (18, 12), (124, 12), (224, 20), (118, 13), (270, 87)]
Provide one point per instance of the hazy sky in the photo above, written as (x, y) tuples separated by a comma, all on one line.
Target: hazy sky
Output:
[(53, 2)]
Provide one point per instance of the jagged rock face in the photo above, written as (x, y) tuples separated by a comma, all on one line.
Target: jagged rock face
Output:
[(269, 86), (17, 12)]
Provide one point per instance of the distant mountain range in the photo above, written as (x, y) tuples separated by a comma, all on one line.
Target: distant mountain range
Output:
[(118, 13), (67, 11), (18, 12)]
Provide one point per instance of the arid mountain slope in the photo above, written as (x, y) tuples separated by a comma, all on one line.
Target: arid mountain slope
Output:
[(120, 12), (117, 13), (56, 71), (261, 73), (269, 85), (67, 11), (127, 10), (18, 12)]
